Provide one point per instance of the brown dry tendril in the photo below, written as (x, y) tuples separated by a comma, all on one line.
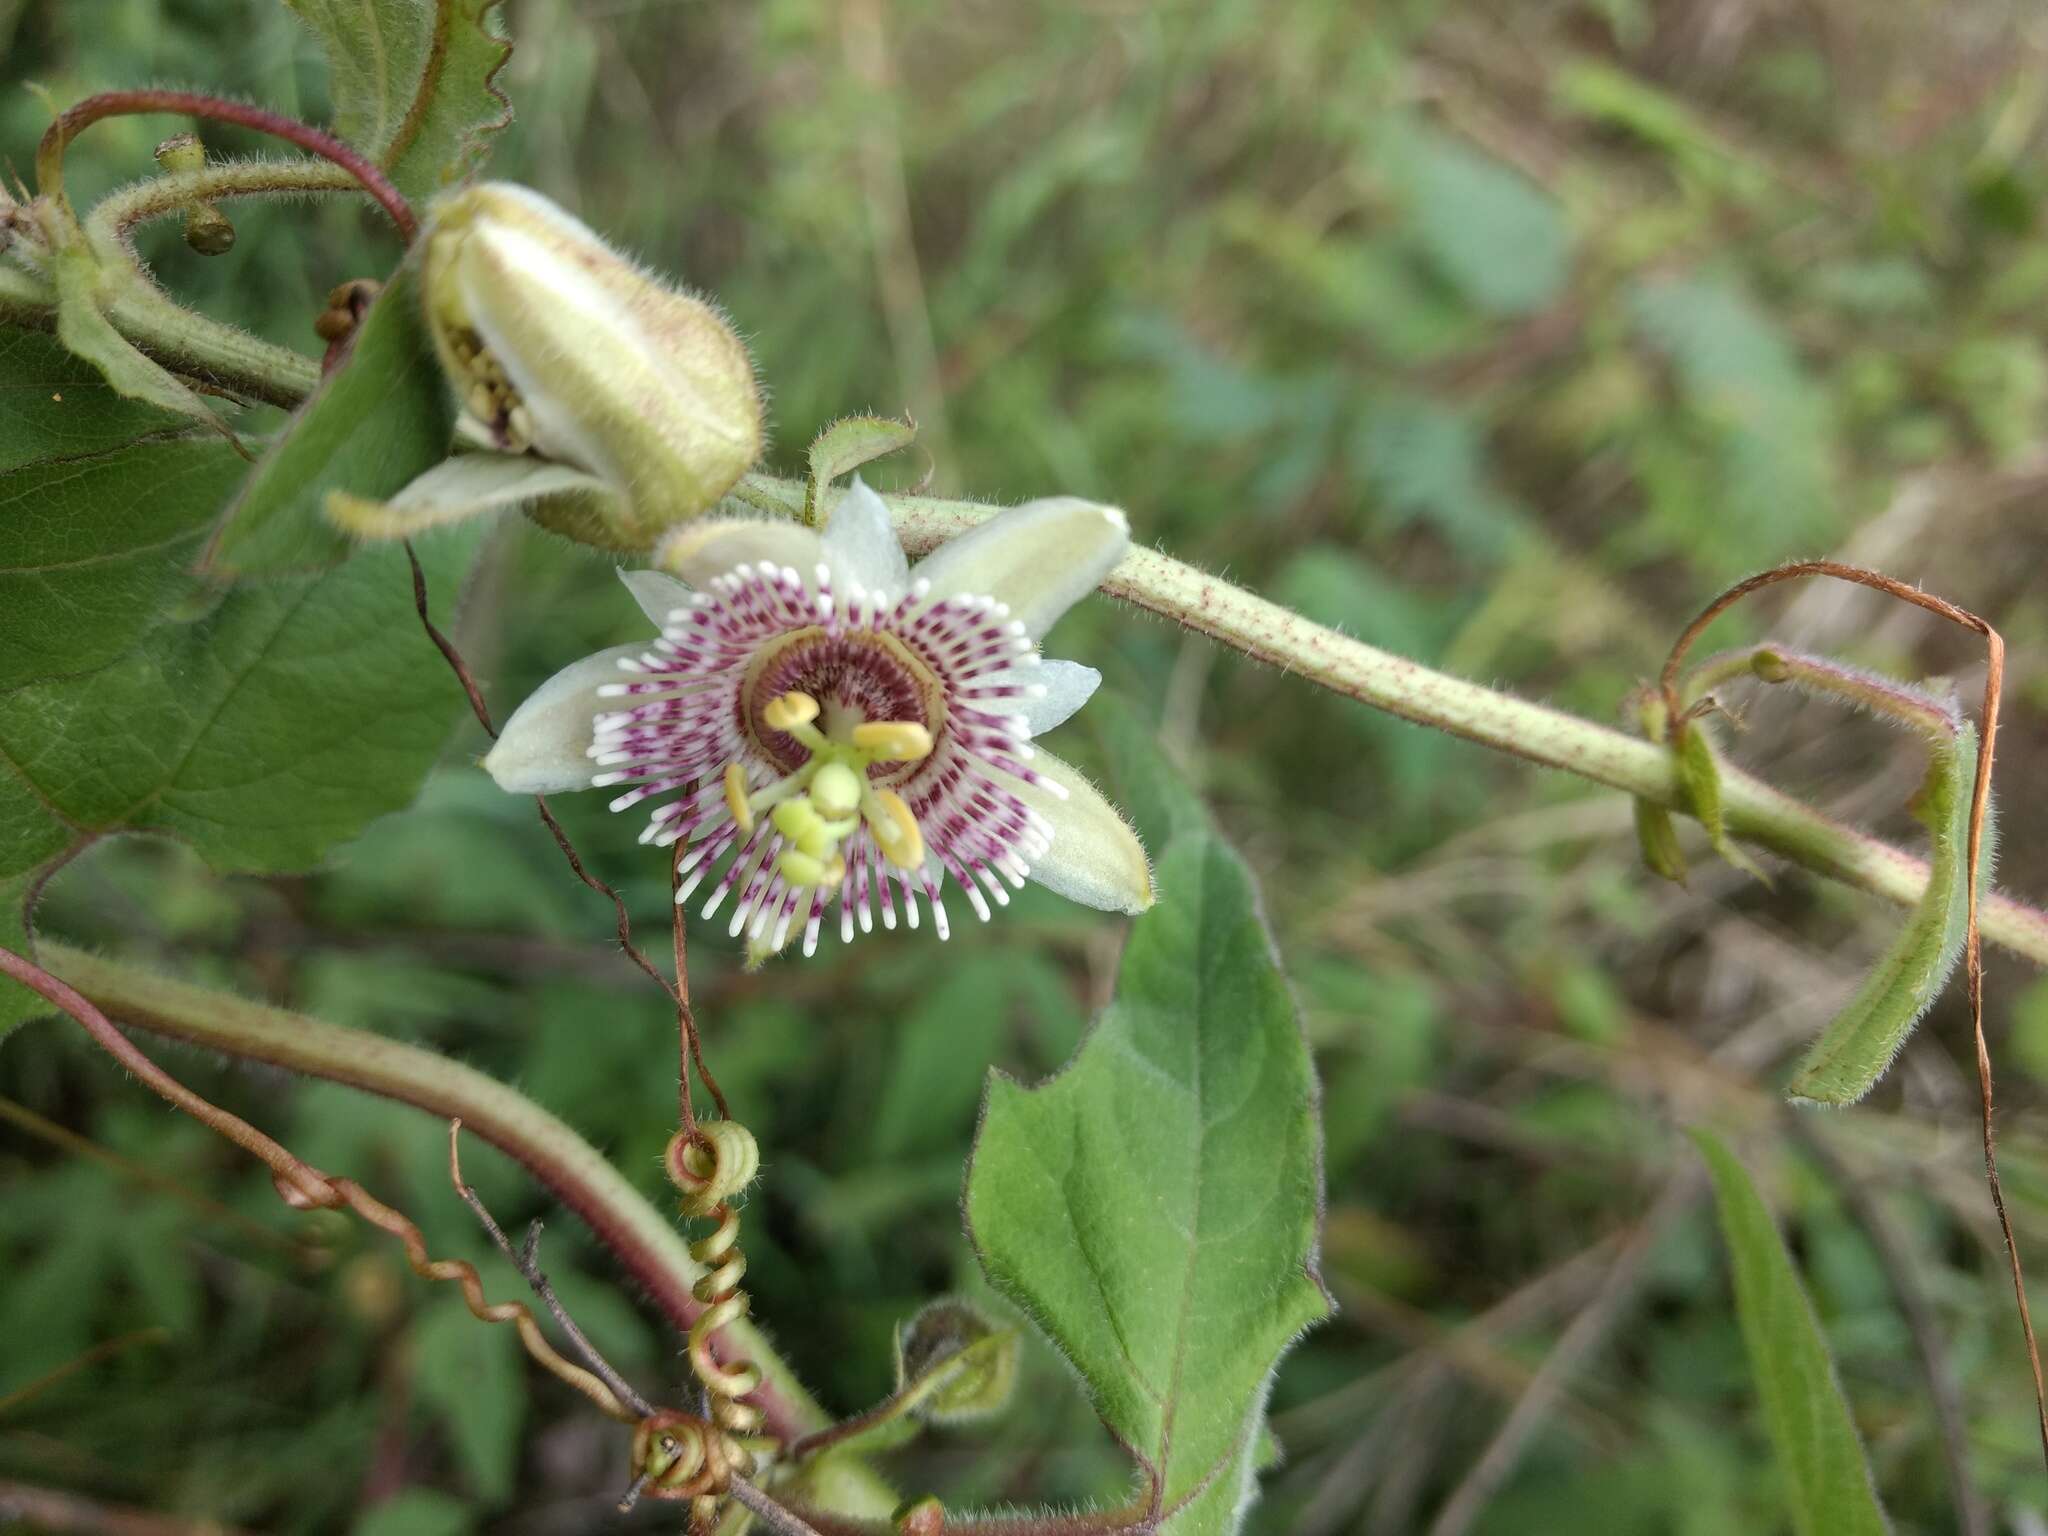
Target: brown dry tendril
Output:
[(1980, 798)]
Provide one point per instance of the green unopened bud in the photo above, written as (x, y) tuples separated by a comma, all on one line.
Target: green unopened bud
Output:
[(559, 344), (207, 229), (1770, 666), (958, 1364)]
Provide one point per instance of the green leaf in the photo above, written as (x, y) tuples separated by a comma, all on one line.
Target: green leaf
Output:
[(56, 405), (1154, 1208), (413, 82), (467, 1375), (846, 445), (382, 418), (1427, 462), (1859, 1043), (1816, 1442), (1759, 442), (942, 1047), (261, 726), (1489, 230), (416, 1512)]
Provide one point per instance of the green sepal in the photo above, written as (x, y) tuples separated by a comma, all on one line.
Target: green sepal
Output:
[(1657, 836), (846, 445), (1699, 784)]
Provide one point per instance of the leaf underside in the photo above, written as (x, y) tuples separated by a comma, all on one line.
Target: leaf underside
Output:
[(1154, 1208)]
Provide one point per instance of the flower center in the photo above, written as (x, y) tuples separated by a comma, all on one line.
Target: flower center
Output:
[(824, 800), (854, 676)]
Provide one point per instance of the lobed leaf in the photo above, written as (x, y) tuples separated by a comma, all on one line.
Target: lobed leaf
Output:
[(1154, 1208), (262, 725), (1816, 1443), (413, 82)]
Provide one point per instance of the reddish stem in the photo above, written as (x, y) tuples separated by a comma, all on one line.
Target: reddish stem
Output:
[(50, 153)]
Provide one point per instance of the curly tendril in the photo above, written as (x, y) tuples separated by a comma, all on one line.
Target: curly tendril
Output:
[(681, 1455)]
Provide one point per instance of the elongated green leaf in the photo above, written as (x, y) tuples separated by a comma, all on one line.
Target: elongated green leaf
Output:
[(1860, 1042), (1816, 1443), (1154, 1208), (414, 82), (261, 726), (383, 417)]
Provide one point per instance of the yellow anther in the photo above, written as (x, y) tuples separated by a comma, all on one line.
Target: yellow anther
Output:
[(895, 829), (892, 741), (836, 789), (787, 711), (736, 797)]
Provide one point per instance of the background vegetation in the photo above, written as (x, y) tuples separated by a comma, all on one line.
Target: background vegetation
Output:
[(1499, 334)]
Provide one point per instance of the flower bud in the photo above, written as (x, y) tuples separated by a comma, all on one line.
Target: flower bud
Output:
[(955, 1363), (559, 344)]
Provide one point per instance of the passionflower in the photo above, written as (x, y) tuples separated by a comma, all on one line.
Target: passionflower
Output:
[(821, 724)]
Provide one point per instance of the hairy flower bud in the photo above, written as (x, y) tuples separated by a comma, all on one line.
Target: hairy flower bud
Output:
[(560, 345)]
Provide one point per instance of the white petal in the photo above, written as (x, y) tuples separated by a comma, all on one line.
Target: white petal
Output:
[(1040, 558), (545, 745), (657, 593), (460, 487), (1095, 857), (861, 544), (707, 547), (1065, 686)]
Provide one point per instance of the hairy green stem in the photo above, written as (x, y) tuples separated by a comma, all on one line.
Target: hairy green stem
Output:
[(1249, 623), (1246, 622), (162, 196), (642, 1239)]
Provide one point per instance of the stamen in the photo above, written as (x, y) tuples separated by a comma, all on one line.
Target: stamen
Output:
[(789, 710), (736, 797), (893, 741), (895, 829)]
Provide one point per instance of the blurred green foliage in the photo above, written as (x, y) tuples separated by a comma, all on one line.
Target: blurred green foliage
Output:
[(1499, 334)]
